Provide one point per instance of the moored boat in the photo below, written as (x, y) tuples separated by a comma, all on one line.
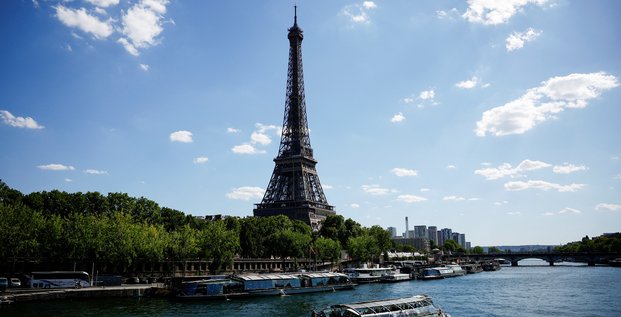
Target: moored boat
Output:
[(491, 266), (431, 274), (394, 277), (472, 268), (366, 275), (417, 305), (251, 285)]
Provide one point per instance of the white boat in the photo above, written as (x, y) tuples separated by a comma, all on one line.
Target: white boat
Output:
[(394, 276), (418, 305), (457, 269), (450, 270), (366, 275)]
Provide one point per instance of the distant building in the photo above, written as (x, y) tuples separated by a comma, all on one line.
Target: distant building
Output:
[(468, 246), (393, 231), (420, 231), (432, 234), (407, 228), (447, 234), (421, 244), (409, 234), (440, 238), (462, 240)]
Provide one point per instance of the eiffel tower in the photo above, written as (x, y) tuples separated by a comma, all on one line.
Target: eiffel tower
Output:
[(294, 189)]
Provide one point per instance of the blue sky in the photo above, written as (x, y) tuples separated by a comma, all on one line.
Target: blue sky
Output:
[(496, 119)]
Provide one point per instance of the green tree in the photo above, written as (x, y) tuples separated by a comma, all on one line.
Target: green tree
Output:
[(494, 250), (477, 250), (451, 245), (219, 244), (363, 248), (327, 249)]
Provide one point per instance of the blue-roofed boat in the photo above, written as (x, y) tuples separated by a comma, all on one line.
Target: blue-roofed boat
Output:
[(250, 285)]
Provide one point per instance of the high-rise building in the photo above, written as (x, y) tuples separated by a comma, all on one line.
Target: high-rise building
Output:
[(407, 228), (393, 231), (294, 189), (462, 240), (447, 234), (432, 234), (440, 238), (420, 231)]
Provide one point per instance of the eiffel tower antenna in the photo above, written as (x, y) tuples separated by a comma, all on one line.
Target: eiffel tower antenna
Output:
[(294, 189)]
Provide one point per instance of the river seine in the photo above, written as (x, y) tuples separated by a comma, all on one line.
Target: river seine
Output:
[(533, 289)]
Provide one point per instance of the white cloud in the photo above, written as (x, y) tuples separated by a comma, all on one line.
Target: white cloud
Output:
[(454, 198), (326, 186), (608, 207), (403, 172), (543, 185), (246, 149), (261, 138), (103, 3), (95, 172), (468, 84), (408, 100), (548, 214), (359, 13), (492, 173), (423, 190), (246, 193), (182, 136), (514, 213), (144, 67), (354, 205), (19, 122), (410, 198), (500, 203), (569, 211), (427, 94), (201, 160), (495, 12), (516, 40), (449, 15), (232, 130), (68, 180), (142, 23), (618, 176), (451, 167), (56, 167), (568, 168), (375, 190), (398, 117), (80, 19), (545, 102)]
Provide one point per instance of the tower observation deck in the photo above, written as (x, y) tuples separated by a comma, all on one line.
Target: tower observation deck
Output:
[(294, 189)]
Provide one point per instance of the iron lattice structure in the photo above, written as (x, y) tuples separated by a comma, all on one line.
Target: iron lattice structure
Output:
[(294, 189)]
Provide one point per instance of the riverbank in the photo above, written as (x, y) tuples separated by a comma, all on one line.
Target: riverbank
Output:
[(128, 291)]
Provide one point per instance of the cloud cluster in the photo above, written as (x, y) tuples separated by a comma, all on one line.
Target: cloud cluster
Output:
[(376, 190), (95, 172), (259, 137), (19, 122), (358, 13), (504, 170), (495, 12), (201, 160), (568, 168), (56, 167), (246, 193), (517, 40), (426, 97), (182, 136), (403, 172), (458, 198), (139, 26), (608, 207), (410, 198), (543, 185), (543, 103), (397, 118)]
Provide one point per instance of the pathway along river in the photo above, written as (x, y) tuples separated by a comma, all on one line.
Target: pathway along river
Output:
[(534, 289)]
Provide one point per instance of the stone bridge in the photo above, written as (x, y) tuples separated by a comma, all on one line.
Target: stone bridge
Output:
[(551, 257)]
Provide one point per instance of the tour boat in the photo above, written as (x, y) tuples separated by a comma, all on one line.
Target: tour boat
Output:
[(250, 285), (418, 305), (457, 269)]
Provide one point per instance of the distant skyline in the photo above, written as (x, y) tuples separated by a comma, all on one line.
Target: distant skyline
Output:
[(498, 119)]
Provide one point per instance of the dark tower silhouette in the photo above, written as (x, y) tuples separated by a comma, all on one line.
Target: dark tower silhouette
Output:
[(294, 189)]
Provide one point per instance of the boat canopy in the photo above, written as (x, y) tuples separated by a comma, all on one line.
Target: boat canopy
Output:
[(420, 303)]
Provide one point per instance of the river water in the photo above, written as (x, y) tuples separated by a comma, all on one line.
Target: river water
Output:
[(532, 289)]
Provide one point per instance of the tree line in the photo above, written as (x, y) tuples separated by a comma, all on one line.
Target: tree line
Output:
[(60, 228), (610, 243)]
